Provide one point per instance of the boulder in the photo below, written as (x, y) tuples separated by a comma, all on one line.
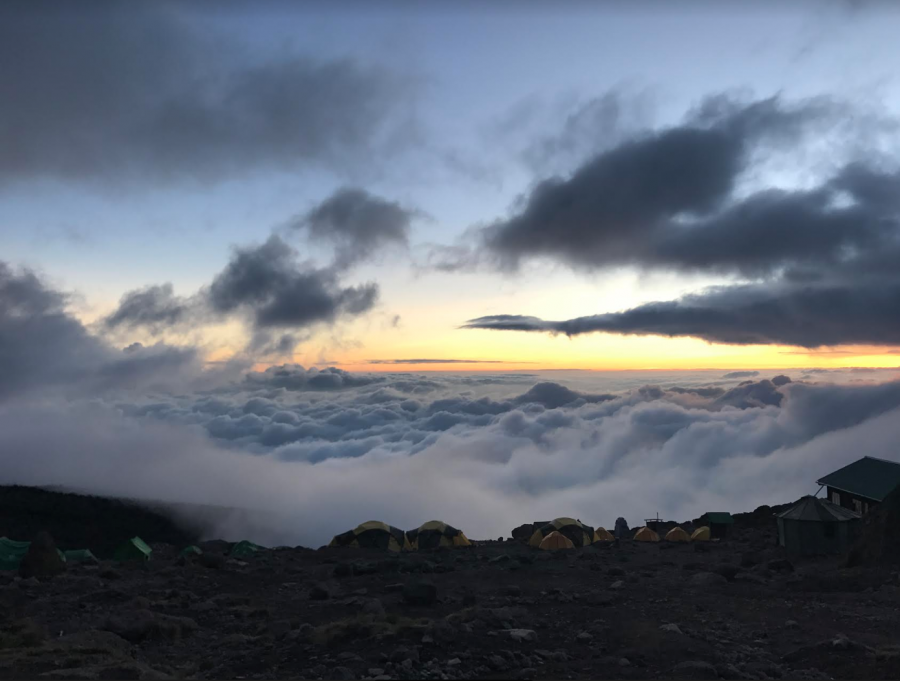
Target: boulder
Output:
[(42, 559), (139, 625), (419, 593), (523, 532)]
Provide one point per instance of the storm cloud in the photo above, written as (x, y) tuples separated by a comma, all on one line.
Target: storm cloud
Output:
[(357, 224), (109, 93), (155, 308)]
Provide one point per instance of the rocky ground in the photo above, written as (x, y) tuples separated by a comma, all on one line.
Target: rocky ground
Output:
[(732, 610)]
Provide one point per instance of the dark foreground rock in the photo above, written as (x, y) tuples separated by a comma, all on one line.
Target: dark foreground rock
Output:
[(495, 611)]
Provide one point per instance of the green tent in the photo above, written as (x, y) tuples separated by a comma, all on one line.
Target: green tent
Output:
[(191, 551), (133, 549), (12, 552), (244, 548), (80, 556)]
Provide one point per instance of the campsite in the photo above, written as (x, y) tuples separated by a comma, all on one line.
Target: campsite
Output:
[(567, 601)]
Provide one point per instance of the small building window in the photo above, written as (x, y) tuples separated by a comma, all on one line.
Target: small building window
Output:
[(857, 506), (835, 498)]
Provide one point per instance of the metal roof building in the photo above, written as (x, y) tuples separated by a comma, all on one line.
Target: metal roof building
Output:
[(816, 526), (862, 484)]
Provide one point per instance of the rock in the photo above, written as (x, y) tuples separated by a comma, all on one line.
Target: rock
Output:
[(584, 636), (498, 662), (138, 625), (749, 559), (109, 573), (706, 579), (373, 606), (780, 565), (343, 570), (624, 662), (419, 593), (342, 674), (42, 559), (523, 532), (213, 561), (502, 558), (791, 624), (279, 628), (616, 572), (513, 591), (727, 571), (455, 662), (671, 628), (319, 592), (618, 584), (694, 669), (521, 635), (375, 671)]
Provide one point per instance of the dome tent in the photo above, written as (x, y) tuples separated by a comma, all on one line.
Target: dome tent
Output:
[(436, 533), (373, 534), (646, 534), (701, 534), (677, 534), (555, 542), (601, 534), (578, 533)]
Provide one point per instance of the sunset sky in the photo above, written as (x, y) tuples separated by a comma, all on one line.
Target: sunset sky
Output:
[(146, 147)]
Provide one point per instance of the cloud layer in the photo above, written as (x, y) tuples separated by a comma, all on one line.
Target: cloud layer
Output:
[(109, 93)]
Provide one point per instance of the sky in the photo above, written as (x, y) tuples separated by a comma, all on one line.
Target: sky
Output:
[(347, 238)]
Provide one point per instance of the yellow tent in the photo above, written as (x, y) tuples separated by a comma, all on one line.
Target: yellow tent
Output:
[(646, 534), (436, 533), (700, 534), (578, 533), (601, 534), (373, 534), (677, 534), (556, 541)]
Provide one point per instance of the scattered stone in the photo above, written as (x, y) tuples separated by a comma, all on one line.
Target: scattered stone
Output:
[(319, 592), (213, 561), (584, 636), (780, 565), (138, 625), (671, 628), (791, 624), (707, 579), (419, 593), (343, 570), (502, 558), (618, 584), (521, 635), (42, 559), (454, 662), (497, 662), (342, 674), (694, 669), (624, 662)]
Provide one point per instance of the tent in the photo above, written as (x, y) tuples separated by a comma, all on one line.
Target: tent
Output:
[(601, 534), (646, 534), (12, 552), (578, 534), (80, 556), (815, 526), (191, 551), (244, 548), (373, 534), (133, 549), (677, 534), (555, 541), (719, 522), (436, 533), (701, 534)]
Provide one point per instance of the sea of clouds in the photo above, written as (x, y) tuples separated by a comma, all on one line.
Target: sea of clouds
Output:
[(306, 453)]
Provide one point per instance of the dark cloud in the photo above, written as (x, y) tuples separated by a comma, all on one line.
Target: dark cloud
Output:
[(270, 284), (605, 212), (155, 308), (741, 374), (42, 346), (295, 377), (807, 316), (357, 224), (109, 93)]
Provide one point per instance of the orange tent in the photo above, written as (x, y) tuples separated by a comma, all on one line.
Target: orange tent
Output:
[(555, 541), (601, 534), (677, 534), (646, 534)]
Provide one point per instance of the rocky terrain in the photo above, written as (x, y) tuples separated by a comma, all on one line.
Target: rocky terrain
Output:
[(737, 609)]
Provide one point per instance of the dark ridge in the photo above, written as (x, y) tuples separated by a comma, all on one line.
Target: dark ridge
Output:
[(78, 521), (879, 540)]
